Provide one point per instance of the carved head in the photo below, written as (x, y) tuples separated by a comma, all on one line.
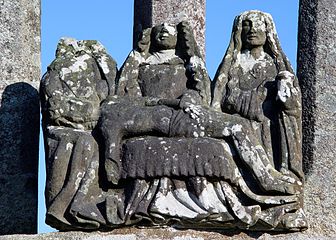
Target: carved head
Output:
[(250, 29), (253, 30), (164, 36)]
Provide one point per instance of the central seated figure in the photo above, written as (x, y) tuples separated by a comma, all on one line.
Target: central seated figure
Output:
[(165, 74), (178, 161), (154, 83)]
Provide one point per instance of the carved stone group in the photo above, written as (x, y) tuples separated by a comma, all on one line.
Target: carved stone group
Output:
[(159, 144)]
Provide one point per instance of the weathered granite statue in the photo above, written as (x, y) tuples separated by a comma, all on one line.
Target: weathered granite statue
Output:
[(163, 74), (255, 80), (77, 81), (163, 153)]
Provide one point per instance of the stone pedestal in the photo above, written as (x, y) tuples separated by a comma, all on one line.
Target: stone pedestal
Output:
[(167, 234), (317, 75), (19, 114), (148, 13)]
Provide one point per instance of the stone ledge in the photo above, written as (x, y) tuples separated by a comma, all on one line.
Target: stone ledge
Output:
[(167, 233)]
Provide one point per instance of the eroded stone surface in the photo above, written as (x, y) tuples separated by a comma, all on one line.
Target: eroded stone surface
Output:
[(19, 114), (77, 81), (317, 74)]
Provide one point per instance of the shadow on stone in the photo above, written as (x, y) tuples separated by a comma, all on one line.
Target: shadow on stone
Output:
[(307, 78), (19, 141)]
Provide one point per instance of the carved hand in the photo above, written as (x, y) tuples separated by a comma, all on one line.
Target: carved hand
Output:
[(285, 85)]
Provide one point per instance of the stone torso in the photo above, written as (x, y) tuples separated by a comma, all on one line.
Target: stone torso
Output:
[(251, 89), (163, 75), (162, 80)]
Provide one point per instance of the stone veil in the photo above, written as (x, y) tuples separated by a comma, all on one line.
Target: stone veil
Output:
[(156, 145)]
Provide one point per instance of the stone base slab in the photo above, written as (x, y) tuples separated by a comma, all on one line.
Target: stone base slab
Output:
[(167, 234)]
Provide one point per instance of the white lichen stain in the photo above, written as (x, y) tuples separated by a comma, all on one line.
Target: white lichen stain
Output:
[(79, 65), (111, 102), (79, 130), (68, 146), (76, 102), (209, 199), (237, 207), (93, 214), (196, 62), (92, 174), (80, 126), (255, 125), (289, 179), (165, 120), (176, 203), (129, 123), (247, 61), (112, 147), (226, 146), (226, 132), (78, 179), (103, 64)]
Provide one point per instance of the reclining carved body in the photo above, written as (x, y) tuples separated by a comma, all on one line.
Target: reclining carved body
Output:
[(170, 157)]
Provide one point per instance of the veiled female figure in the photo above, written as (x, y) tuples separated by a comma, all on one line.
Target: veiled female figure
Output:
[(256, 82)]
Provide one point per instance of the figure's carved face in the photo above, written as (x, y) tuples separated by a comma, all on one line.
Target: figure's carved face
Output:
[(253, 31), (165, 36)]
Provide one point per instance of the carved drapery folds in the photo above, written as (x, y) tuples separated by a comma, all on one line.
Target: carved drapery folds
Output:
[(153, 146)]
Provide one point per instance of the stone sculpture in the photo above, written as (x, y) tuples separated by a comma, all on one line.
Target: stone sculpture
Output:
[(77, 81), (162, 152)]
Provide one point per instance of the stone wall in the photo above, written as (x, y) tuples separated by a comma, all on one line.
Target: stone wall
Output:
[(19, 114)]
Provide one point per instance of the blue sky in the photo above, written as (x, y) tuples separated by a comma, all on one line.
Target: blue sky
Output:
[(111, 22)]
